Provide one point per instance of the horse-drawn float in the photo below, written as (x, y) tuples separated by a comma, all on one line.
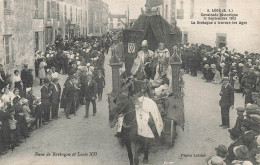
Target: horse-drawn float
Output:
[(147, 105)]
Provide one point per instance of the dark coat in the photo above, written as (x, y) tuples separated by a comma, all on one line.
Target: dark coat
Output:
[(69, 92), (45, 95), (4, 116), (89, 90), (227, 97), (2, 83), (100, 82), (25, 77)]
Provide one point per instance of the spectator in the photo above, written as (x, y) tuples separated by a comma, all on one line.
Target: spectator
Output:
[(42, 72), (25, 78), (17, 82), (45, 99), (55, 97), (100, 80)]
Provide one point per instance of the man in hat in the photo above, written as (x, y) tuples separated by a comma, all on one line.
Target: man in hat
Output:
[(100, 80), (89, 91), (247, 94), (25, 77), (45, 98), (142, 62), (221, 151), (55, 97), (226, 102), (69, 96), (237, 129)]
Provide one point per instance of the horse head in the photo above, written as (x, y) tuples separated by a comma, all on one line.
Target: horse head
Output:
[(119, 106)]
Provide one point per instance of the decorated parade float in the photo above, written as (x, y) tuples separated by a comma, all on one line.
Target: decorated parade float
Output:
[(132, 92)]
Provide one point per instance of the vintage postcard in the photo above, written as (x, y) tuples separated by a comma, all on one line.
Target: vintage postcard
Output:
[(117, 82)]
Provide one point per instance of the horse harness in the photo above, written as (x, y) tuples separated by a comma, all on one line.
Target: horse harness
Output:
[(132, 122)]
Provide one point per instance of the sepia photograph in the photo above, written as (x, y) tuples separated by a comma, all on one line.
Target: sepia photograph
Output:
[(129, 82)]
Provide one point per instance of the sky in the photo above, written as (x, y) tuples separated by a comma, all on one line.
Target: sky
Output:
[(120, 6)]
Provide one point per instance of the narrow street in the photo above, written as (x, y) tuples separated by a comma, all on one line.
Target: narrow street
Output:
[(93, 135)]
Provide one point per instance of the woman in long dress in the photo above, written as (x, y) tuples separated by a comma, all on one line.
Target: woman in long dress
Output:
[(42, 72)]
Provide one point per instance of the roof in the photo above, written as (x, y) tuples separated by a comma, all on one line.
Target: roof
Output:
[(117, 16), (153, 3)]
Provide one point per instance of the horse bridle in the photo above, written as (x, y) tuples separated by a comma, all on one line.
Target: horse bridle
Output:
[(131, 123)]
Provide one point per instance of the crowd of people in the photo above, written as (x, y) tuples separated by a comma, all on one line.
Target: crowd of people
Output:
[(82, 59), (237, 73)]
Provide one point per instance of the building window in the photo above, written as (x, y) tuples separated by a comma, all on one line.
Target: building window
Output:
[(58, 11), (111, 19), (191, 9), (48, 10), (180, 12), (7, 7), (118, 19), (222, 4), (36, 36), (118, 24), (7, 40)]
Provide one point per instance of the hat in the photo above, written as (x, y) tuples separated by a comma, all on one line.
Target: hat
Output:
[(24, 100), (252, 107), (222, 150), (240, 64), (88, 64), (222, 64), (206, 66), (144, 43), (241, 152), (28, 89), (216, 160), (247, 163), (213, 66), (240, 109), (225, 79)]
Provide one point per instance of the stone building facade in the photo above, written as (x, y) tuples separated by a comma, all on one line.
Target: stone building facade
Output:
[(29, 25), (98, 17)]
